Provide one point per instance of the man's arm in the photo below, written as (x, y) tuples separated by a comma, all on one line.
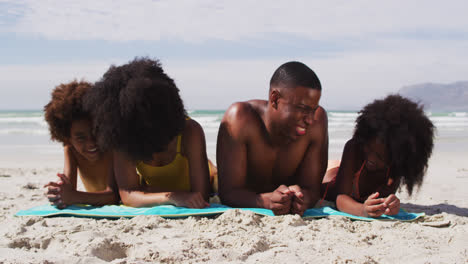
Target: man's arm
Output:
[(314, 164)]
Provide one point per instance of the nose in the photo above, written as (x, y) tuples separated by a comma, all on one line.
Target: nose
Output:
[(91, 143)]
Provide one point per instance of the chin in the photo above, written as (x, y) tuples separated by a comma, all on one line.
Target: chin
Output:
[(93, 158)]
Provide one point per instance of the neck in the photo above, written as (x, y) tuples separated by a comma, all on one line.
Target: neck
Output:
[(273, 134)]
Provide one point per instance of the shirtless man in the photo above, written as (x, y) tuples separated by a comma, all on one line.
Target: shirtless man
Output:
[(273, 154)]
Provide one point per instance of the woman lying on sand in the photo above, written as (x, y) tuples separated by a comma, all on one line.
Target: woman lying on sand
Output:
[(159, 153), (391, 145)]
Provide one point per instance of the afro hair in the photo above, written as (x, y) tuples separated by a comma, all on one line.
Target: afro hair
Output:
[(136, 109), (406, 132), (65, 107)]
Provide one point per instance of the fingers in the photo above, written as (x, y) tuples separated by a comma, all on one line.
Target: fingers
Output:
[(53, 197), (280, 209), (390, 199), (298, 207), (373, 196), (55, 184), (394, 207), (283, 189), (296, 190), (279, 197), (53, 190), (376, 214), (375, 210), (196, 201), (63, 178), (374, 201)]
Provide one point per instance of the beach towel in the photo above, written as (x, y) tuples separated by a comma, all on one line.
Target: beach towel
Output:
[(170, 211)]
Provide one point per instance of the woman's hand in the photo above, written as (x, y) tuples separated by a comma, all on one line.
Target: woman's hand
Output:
[(188, 199), (392, 203), (374, 206)]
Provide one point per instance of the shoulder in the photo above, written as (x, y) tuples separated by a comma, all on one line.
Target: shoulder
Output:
[(321, 115), (193, 134), (192, 126), (319, 127), (352, 151), (243, 113), (242, 119), (351, 146), (321, 118)]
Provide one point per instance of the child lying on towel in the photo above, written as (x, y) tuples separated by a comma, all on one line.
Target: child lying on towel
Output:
[(391, 145), (71, 125)]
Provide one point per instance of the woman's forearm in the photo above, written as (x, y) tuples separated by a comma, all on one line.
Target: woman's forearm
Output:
[(347, 204)]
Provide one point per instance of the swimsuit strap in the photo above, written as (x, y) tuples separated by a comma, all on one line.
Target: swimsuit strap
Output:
[(179, 142), (356, 179)]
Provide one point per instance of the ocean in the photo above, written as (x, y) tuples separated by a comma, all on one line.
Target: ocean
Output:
[(24, 135)]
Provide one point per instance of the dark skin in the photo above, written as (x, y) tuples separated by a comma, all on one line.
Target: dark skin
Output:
[(377, 192), (134, 194), (273, 154), (95, 169)]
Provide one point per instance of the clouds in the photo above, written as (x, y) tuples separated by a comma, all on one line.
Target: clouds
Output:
[(204, 20), (221, 51)]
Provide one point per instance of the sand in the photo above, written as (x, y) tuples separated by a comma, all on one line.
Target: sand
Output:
[(239, 236)]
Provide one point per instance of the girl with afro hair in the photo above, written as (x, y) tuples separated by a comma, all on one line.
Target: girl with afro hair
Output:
[(159, 153), (391, 146), (71, 125)]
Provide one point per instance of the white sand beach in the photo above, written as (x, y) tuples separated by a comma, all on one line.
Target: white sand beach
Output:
[(239, 236)]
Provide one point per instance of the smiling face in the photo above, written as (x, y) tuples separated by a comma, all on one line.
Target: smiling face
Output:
[(376, 155), (296, 109), (83, 141)]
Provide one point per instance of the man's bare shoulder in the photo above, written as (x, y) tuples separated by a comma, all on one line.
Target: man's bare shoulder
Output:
[(321, 117), (242, 118), (241, 112), (319, 128)]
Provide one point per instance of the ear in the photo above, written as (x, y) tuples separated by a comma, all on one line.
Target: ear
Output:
[(274, 98)]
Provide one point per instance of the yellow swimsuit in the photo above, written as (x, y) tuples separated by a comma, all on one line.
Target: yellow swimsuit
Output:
[(174, 176)]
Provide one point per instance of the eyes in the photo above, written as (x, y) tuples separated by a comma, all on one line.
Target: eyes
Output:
[(305, 110), (81, 138)]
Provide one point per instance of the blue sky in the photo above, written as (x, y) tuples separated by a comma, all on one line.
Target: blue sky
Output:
[(221, 51)]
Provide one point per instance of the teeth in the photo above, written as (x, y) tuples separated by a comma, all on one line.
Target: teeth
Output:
[(301, 129), (92, 150)]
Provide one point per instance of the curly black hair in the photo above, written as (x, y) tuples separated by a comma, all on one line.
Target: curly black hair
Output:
[(136, 109), (294, 73), (405, 130), (64, 108)]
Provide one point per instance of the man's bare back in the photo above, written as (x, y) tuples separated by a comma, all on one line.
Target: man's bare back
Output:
[(273, 154)]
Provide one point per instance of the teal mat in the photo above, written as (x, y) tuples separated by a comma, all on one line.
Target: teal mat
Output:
[(169, 211)]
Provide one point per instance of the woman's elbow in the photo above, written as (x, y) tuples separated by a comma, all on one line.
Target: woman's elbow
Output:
[(339, 201), (128, 199)]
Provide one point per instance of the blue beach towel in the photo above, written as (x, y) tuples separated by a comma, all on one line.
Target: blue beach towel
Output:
[(170, 211)]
